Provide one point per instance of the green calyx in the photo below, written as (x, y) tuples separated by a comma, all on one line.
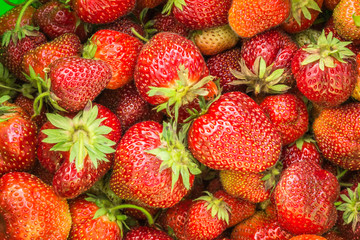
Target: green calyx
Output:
[(326, 50), (299, 7), (300, 142), (183, 92), (356, 19), (261, 79), (83, 136), (111, 211), (19, 32), (218, 207), (4, 109), (173, 3), (89, 48), (350, 207), (175, 155), (272, 176)]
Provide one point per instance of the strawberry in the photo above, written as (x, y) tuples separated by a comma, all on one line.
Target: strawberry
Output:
[(148, 3), (208, 217), (78, 149), (289, 115), (215, 40), (307, 237), (306, 37), (40, 57), (248, 18), (100, 12), (346, 19), (356, 93), (8, 20), (144, 232), (168, 23), (331, 4), (227, 136), (199, 14), (333, 235), (30, 209), (17, 138), (265, 63), (170, 70), (152, 165), (336, 133), (124, 25), (303, 15), (310, 209), (326, 78), (119, 50)]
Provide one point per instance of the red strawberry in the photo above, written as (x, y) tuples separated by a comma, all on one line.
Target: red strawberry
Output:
[(17, 138), (333, 235), (289, 115), (100, 11), (228, 135), (119, 50), (336, 133), (148, 3), (331, 4), (85, 148), (168, 23), (124, 25), (144, 232), (152, 165), (346, 19), (308, 237), (248, 18), (199, 14), (208, 217), (265, 63), (8, 20), (325, 77), (30, 209), (40, 57), (310, 209)]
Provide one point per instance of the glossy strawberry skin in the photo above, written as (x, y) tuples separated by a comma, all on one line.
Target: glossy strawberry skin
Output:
[(165, 52), (308, 153), (298, 212), (40, 57), (168, 23), (85, 227), (100, 11), (76, 80), (201, 14), (17, 141), (289, 115), (227, 136), (31, 209), (336, 133), (327, 88), (124, 25), (136, 173), (120, 51), (145, 232)]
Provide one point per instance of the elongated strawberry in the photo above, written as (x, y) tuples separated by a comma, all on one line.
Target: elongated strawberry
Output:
[(100, 11), (300, 214), (227, 136), (119, 50), (30, 209), (78, 149), (152, 165), (336, 133), (248, 18), (17, 138), (325, 72)]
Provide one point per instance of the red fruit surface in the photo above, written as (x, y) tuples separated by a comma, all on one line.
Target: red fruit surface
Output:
[(8, 20), (308, 153), (144, 232)]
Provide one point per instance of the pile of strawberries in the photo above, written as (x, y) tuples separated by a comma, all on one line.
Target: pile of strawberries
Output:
[(180, 119)]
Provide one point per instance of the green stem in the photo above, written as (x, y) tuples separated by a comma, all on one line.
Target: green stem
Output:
[(345, 184), (23, 9), (146, 213), (38, 103), (138, 35), (10, 88), (342, 174)]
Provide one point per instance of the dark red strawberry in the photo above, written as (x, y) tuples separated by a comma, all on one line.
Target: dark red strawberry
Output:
[(144, 232), (168, 23), (124, 25), (8, 20)]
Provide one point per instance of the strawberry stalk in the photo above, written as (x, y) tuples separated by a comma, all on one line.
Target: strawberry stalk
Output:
[(19, 32)]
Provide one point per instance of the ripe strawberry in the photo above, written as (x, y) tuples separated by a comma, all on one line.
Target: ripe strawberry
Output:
[(40, 57), (310, 209), (27, 105), (331, 4), (356, 93), (208, 217), (325, 77), (8, 20), (124, 25), (199, 14), (17, 138), (336, 133), (75, 81), (168, 23), (215, 40), (346, 19), (181, 73), (265, 63), (289, 115), (100, 12), (307, 237), (333, 235), (30, 209), (227, 136), (152, 165), (248, 18), (148, 3), (303, 15), (78, 149), (144, 232), (119, 50)]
